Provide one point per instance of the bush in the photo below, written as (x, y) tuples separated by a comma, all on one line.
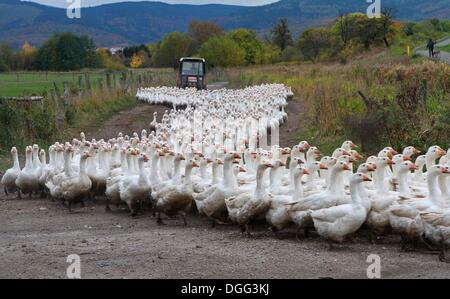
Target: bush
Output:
[(222, 52), (65, 52), (3, 66), (169, 51)]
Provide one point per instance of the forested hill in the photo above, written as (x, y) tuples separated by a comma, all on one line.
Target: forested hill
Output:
[(142, 22)]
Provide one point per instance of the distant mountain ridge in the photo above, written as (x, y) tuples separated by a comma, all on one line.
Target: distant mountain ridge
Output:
[(142, 22)]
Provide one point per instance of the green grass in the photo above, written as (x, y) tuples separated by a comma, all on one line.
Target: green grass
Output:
[(37, 83), (410, 112), (445, 48)]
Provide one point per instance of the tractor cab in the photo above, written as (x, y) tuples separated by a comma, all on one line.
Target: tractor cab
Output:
[(191, 73)]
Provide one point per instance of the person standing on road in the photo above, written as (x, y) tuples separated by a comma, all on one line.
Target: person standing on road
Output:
[(430, 47)]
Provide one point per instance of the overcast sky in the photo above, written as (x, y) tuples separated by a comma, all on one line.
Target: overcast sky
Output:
[(63, 3)]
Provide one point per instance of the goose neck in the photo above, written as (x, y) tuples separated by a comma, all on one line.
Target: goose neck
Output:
[(432, 186), (28, 161), (16, 165), (442, 181), (298, 190), (379, 179), (403, 182), (354, 192)]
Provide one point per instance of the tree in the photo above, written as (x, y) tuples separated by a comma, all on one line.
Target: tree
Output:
[(24, 60), (200, 32), (136, 61), (281, 35), (3, 66), (271, 53), (247, 40), (385, 24), (344, 26), (66, 51), (366, 31), (314, 42), (128, 52), (222, 51), (174, 46), (6, 57)]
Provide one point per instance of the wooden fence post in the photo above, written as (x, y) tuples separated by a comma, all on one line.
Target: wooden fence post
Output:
[(66, 93), (58, 113), (80, 86), (139, 81), (108, 82), (100, 85), (88, 83)]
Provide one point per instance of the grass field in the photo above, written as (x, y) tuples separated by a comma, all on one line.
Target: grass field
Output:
[(36, 83), (444, 48)]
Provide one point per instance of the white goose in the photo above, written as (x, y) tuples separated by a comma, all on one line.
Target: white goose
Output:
[(135, 189), (176, 198), (336, 223), (9, 178), (28, 180), (278, 214), (245, 207), (74, 190)]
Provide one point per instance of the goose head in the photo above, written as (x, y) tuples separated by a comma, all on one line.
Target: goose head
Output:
[(355, 155), (372, 159), (366, 168), (385, 154), (313, 153), (435, 152), (399, 158), (358, 178), (340, 152), (348, 145), (304, 146), (14, 151), (410, 151), (315, 166), (384, 162), (406, 166), (391, 150)]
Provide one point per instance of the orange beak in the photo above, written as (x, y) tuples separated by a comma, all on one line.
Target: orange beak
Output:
[(405, 158), (390, 162), (441, 152), (345, 153), (352, 145), (323, 166), (306, 171), (366, 179), (269, 165), (445, 170), (413, 167), (347, 167), (242, 169)]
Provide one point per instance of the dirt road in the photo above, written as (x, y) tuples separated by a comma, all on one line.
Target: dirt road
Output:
[(36, 236)]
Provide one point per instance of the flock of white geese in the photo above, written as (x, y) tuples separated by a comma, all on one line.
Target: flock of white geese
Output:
[(220, 156)]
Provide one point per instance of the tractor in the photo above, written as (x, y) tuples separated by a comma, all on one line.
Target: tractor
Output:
[(192, 73)]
